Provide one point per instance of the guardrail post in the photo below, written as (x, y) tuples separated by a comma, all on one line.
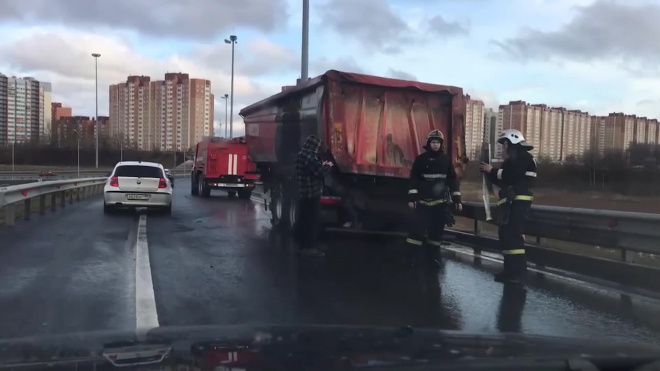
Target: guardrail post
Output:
[(42, 204), (27, 206), (78, 194), (62, 199), (71, 196), (53, 202), (477, 231), (10, 211), (627, 256)]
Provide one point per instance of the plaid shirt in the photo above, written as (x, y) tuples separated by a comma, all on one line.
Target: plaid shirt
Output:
[(310, 170)]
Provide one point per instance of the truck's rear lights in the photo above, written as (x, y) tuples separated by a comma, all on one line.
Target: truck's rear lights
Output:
[(114, 182), (162, 183), (330, 200)]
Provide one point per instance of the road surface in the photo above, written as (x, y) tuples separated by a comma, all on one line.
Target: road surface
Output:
[(215, 261)]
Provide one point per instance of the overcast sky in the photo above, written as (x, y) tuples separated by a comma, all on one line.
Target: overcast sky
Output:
[(596, 55)]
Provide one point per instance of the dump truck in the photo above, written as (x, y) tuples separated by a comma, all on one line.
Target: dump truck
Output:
[(371, 127), (223, 163)]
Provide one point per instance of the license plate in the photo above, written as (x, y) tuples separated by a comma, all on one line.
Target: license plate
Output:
[(138, 197)]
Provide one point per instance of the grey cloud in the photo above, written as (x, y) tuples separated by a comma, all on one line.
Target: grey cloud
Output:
[(200, 20), (439, 26), (376, 25), (646, 102), (255, 58), (398, 74), (371, 22), (601, 31)]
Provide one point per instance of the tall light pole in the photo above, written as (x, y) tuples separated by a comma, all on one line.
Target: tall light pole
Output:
[(78, 139), (304, 63), (232, 40), (121, 146), (96, 124), (226, 97)]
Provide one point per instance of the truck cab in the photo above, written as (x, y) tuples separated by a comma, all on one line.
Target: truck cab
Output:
[(223, 163)]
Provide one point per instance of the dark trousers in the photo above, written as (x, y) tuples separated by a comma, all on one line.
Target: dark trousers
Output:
[(512, 242), (307, 227), (426, 231)]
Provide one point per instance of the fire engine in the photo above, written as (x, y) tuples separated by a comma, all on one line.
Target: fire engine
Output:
[(223, 163)]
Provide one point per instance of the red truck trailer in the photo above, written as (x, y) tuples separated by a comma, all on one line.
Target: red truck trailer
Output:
[(222, 163), (371, 127)]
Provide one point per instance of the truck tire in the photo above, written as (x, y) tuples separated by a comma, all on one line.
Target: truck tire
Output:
[(245, 194), (231, 193), (203, 189), (276, 209), (193, 186)]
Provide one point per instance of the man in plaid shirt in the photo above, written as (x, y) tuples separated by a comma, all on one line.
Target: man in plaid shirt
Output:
[(311, 172)]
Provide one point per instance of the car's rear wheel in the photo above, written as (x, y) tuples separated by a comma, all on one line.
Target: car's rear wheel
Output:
[(106, 208), (168, 209)]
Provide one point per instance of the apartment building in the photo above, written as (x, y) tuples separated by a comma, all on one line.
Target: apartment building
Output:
[(652, 131), (474, 127), (25, 113), (555, 133), (490, 125), (66, 130), (169, 114), (58, 111)]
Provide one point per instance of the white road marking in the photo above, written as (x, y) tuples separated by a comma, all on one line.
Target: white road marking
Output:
[(145, 299)]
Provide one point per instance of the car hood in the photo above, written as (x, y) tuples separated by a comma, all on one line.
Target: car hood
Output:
[(284, 347)]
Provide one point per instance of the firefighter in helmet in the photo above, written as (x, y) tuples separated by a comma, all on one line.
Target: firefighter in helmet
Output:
[(515, 178), (432, 182)]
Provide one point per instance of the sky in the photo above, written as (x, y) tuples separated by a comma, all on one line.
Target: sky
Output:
[(595, 55)]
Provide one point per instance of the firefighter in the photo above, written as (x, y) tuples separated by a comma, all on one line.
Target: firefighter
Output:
[(515, 178), (432, 178)]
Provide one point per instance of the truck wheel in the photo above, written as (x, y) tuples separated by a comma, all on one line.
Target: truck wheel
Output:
[(231, 193), (193, 186), (204, 190), (275, 210), (293, 214), (245, 194)]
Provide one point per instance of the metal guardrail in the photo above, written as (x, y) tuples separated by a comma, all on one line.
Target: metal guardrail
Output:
[(627, 231), (25, 193)]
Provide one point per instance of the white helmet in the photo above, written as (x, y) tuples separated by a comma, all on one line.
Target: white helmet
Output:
[(515, 137)]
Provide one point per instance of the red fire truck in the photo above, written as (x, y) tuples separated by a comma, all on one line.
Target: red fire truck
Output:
[(223, 163)]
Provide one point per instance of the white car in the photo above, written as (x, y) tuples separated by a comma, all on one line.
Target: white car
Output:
[(138, 184)]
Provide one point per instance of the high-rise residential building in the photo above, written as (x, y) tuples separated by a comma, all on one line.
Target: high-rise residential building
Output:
[(628, 131), (129, 113), (25, 114), (550, 145), (640, 130), (171, 114), (58, 111), (474, 127), (576, 133), (555, 133), (490, 126), (4, 91), (597, 139), (63, 134), (652, 131)]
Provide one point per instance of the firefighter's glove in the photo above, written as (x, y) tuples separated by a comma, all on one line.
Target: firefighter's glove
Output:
[(456, 199)]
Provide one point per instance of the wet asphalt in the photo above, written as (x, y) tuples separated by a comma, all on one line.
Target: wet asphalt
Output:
[(216, 261)]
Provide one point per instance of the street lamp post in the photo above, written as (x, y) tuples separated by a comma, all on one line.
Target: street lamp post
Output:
[(78, 143), (121, 147), (96, 124), (232, 40), (226, 97), (304, 74)]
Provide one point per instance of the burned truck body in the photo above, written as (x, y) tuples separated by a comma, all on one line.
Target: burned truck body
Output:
[(371, 127)]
